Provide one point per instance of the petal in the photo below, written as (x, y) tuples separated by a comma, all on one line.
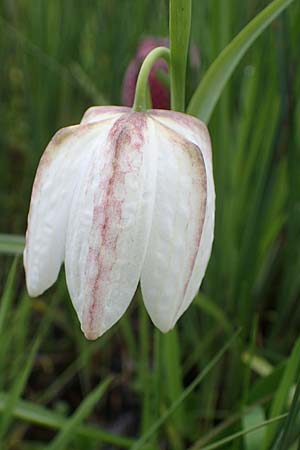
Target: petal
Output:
[(100, 113), (109, 224), (196, 131), (188, 126), (182, 230), (58, 171)]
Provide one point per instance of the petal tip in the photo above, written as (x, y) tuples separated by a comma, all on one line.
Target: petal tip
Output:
[(164, 324), (166, 328), (91, 335), (33, 291), (90, 328)]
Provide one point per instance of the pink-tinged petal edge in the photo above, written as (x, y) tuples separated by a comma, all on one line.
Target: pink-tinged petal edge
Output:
[(167, 300), (57, 175)]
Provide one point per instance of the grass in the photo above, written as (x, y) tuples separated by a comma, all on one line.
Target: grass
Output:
[(134, 387)]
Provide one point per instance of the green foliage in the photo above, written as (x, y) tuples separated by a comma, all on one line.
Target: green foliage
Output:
[(177, 391), (180, 13), (209, 90)]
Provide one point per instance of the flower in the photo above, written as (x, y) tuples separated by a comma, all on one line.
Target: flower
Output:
[(123, 196)]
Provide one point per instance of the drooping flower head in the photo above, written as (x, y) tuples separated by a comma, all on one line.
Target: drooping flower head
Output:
[(123, 196)]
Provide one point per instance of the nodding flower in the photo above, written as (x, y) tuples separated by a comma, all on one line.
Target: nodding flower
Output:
[(120, 198)]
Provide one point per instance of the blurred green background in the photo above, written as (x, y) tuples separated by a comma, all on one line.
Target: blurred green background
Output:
[(59, 57)]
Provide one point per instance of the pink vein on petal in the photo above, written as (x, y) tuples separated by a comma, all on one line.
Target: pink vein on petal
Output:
[(125, 141), (202, 207)]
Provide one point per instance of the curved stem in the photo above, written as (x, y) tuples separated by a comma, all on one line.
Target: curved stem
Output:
[(140, 98)]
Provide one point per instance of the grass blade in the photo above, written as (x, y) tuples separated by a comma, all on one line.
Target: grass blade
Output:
[(139, 444), (180, 27), (17, 390), (68, 431), (291, 424), (7, 295), (254, 417), (35, 414), (211, 86), (242, 433), (12, 244), (173, 373), (281, 396)]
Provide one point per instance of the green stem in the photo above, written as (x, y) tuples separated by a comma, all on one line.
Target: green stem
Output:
[(140, 99), (179, 31)]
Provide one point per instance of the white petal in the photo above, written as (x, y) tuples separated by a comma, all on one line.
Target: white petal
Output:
[(188, 126), (110, 223), (196, 131), (205, 247), (100, 113), (182, 229), (55, 180)]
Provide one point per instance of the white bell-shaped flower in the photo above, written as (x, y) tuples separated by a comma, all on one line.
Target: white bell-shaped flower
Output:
[(123, 196)]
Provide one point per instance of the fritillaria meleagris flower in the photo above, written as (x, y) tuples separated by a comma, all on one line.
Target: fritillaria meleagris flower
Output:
[(123, 196)]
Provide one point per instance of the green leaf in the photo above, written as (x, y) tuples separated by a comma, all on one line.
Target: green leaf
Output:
[(68, 431), (12, 244), (144, 369), (282, 392), (266, 386), (35, 414), (253, 418), (152, 430), (180, 28), (211, 86), (17, 389), (173, 371), (290, 430), (213, 310), (7, 295), (238, 434)]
